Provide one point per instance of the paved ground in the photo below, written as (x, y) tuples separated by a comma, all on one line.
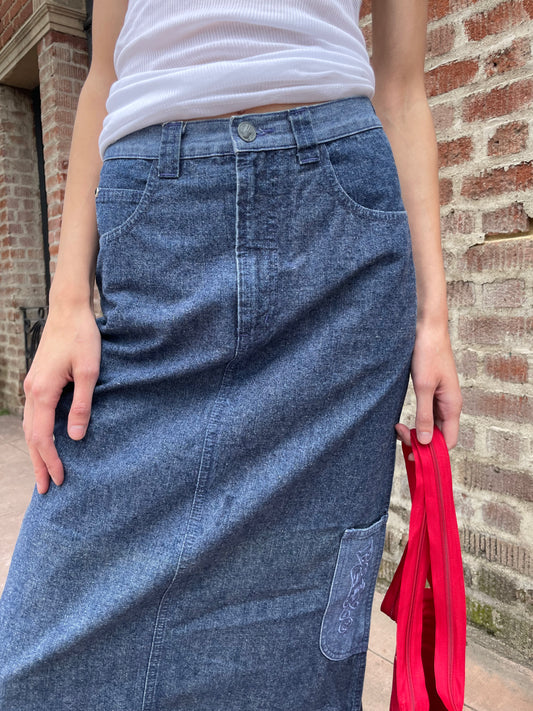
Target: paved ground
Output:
[(493, 683)]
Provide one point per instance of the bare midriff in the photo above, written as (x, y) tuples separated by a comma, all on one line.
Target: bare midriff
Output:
[(257, 110)]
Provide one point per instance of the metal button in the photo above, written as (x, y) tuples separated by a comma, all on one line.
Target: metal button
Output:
[(246, 131)]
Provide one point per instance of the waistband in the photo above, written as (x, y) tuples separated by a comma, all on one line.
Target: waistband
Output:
[(301, 127)]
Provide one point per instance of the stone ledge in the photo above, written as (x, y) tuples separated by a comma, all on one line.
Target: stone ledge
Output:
[(18, 59)]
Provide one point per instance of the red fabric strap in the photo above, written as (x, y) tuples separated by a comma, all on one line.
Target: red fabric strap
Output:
[(429, 665)]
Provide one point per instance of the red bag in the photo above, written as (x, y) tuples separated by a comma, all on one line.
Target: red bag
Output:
[(429, 665)]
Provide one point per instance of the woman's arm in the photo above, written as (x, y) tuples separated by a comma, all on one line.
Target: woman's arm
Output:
[(398, 53), (69, 349)]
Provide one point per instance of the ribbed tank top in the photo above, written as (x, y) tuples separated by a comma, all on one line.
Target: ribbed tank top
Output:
[(181, 59)]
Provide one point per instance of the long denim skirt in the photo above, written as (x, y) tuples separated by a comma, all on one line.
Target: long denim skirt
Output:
[(216, 542)]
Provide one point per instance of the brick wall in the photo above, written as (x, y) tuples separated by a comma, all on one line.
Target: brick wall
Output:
[(14, 15), (22, 280), (62, 68), (480, 88)]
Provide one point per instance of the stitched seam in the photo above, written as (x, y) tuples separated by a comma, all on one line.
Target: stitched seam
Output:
[(139, 211), (335, 189)]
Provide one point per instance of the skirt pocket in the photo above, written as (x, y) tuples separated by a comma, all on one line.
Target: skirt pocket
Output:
[(346, 621), (360, 170), (124, 192)]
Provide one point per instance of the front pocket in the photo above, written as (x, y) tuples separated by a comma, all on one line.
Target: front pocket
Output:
[(346, 621), (123, 193), (361, 172)]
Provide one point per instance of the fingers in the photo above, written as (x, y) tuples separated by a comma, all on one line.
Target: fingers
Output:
[(42, 478), (448, 423), (424, 412), (80, 411), (446, 418), (404, 435), (39, 467), (41, 402)]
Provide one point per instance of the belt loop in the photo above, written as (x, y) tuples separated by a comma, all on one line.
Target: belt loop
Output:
[(304, 135), (170, 149)]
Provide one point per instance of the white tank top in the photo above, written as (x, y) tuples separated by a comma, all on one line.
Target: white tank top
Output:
[(181, 59)]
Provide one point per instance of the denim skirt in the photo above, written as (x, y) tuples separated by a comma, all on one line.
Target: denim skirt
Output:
[(216, 542)]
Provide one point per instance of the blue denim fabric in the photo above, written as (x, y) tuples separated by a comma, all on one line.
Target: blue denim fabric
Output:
[(216, 542)]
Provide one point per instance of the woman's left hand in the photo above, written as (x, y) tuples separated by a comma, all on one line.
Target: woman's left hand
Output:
[(436, 385)]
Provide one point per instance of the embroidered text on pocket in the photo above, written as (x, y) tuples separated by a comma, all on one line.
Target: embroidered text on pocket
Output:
[(346, 620)]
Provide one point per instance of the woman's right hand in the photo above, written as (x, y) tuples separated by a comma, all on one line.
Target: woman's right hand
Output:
[(69, 350)]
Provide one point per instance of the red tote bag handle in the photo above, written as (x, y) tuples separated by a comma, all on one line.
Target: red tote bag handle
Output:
[(429, 665)]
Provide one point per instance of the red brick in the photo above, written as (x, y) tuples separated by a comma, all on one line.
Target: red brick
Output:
[(443, 115), (490, 22), (61, 52), (490, 477), (8, 33), (57, 37), (503, 294), (501, 516), (504, 444), (509, 220), (440, 40), (367, 34), (366, 8), (466, 362), (467, 437), (445, 190), (508, 139), (500, 180), (447, 77), (500, 406), (511, 368), (503, 256), (438, 9), (455, 152), (460, 293), (55, 209), (500, 101), (464, 505), (493, 330), (16, 14), (458, 222), (64, 85), (512, 57), (498, 587)]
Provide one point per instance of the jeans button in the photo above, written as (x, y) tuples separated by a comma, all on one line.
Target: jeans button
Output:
[(246, 131)]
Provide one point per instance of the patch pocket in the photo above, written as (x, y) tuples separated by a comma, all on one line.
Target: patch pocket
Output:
[(346, 620), (122, 193)]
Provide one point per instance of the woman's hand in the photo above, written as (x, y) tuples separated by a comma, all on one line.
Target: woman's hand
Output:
[(69, 350), (436, 385)]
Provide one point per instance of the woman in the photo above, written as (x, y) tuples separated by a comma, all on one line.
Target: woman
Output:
[(221, 440)]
